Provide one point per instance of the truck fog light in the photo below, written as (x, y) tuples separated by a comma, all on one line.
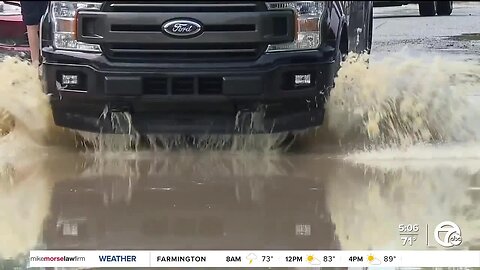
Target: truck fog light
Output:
[(303, 79), (69, 79), (303, 229), (70, 229)]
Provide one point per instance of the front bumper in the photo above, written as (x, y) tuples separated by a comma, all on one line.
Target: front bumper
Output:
[(214, 98)]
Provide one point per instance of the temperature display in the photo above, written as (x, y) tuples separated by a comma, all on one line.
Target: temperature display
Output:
[(389, 258), (408, 233)]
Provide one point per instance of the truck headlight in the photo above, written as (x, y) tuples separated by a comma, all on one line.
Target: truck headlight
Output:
[(64, 16), (308, 23)]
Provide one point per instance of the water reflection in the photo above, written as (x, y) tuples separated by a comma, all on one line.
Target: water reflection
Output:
[(369, 202), (189, 200), (26, 181)]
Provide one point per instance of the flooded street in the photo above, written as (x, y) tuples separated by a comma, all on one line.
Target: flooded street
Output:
[(401, 145)]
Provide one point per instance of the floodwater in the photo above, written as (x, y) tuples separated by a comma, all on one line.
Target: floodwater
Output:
[(400, 146)]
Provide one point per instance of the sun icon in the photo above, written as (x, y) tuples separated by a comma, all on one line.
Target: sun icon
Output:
[(312, 260), (372, 260)]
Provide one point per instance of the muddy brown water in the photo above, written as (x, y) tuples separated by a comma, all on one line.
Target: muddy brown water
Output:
[(399, 146)]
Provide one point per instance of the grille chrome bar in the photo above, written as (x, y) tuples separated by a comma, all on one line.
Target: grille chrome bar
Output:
[(179, 6)]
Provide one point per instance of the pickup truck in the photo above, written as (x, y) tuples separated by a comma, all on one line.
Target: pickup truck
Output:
[(197, 67)]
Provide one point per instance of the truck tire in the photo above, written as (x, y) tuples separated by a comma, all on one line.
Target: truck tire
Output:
[(444, 8), (426, 8)]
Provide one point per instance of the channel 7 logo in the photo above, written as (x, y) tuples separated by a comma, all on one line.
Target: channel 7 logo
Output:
[(447, 234)]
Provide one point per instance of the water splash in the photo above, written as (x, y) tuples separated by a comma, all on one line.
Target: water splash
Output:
[(26, 121), (401, 100), (25, 116)]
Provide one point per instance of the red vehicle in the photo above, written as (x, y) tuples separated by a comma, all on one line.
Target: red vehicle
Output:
[(13, 36)]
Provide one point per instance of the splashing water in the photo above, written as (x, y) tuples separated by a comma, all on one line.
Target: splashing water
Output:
[(129, 139), (402, 100), (399, 100), (127, 142), (26, 120), (25, 116), (418, 120)]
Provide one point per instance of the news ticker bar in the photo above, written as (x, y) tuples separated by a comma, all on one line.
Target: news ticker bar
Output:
[(254, 258)]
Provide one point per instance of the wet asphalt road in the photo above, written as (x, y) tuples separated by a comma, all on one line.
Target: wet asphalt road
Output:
[(457, 35), (217, 200)]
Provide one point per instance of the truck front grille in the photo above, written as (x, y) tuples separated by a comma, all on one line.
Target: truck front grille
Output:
[(186, 50)]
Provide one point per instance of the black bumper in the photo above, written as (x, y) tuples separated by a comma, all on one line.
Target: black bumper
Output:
[(182, 99)]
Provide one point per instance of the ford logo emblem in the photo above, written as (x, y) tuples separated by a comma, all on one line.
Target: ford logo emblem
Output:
[(182, 28)]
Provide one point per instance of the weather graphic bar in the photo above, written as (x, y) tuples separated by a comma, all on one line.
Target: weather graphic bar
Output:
[(258, 258)]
